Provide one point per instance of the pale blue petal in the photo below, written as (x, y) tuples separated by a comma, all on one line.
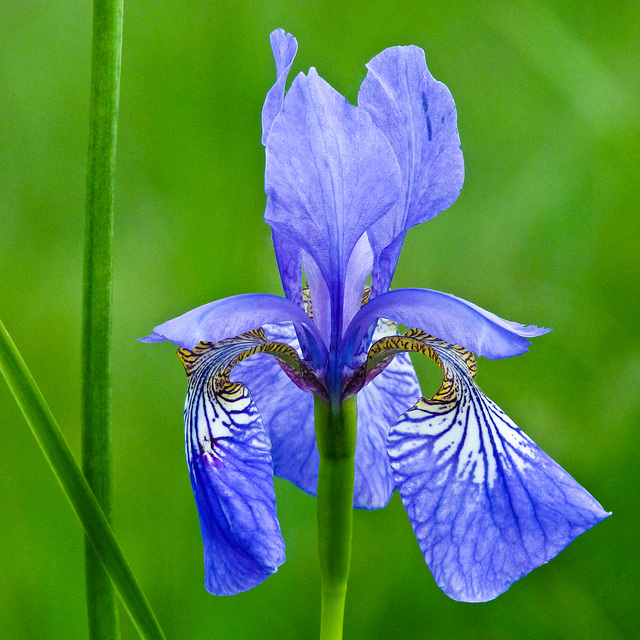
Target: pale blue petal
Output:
[(319, 296), (486, 504), (358, 270), (444, 316), (290, 267), (228, 453), (233, 316), (287, 413), (380, 403), (284, 47), (330, 174), (418, 116), (288, 416)]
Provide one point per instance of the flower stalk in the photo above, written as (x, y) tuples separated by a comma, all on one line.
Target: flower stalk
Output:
[(335, 425), (96, 326)]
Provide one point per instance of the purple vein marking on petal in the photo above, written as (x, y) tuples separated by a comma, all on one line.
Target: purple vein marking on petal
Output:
[(487, 505), (229, 458)]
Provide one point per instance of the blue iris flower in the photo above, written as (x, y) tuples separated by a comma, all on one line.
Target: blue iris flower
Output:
[(344, 183)]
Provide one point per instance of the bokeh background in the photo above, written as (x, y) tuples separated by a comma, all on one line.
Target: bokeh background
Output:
[(545, 232)]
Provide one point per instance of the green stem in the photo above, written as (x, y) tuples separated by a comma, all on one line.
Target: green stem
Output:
[(96, 327), (336, 437), (75, 486)]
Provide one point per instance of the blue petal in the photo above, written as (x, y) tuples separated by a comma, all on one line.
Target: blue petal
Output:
[(380, 403), (288, 417), (290, 267), (228, 453), (284, 47), (445, 316), (330, 174), (486, 504), (358, 270), (418, 116), (231, 317), (287, 413), (319, 297)]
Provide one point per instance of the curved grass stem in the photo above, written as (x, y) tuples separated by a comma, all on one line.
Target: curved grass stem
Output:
[(75, 486)]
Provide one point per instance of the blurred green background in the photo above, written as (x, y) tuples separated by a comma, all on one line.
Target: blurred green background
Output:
[(545, 232)]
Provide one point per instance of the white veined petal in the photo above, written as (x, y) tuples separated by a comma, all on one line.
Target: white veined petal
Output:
[(231, 469), (486, 504)]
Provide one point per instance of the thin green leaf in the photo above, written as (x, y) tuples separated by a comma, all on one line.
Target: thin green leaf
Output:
[(75, 486), (97, 440)]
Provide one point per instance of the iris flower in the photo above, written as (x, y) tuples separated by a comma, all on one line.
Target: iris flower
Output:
[(344, 183)]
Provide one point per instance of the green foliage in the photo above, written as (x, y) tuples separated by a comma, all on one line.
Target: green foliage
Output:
[(97, 425), (544, 232), (75, 486)]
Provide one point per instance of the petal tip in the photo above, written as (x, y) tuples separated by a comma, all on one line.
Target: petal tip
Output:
[(284, 47), (532, 331), (152, 337)]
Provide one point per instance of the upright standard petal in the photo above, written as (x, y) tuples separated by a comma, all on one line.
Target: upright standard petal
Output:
[(418, 116), (330, 174), (486, 504), (358, 270), (228, 453), (447, 317), (284, 47), (289, 261)]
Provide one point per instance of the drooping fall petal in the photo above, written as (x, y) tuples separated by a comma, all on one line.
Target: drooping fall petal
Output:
[(229, 317), (486, 504), (230, 464)]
